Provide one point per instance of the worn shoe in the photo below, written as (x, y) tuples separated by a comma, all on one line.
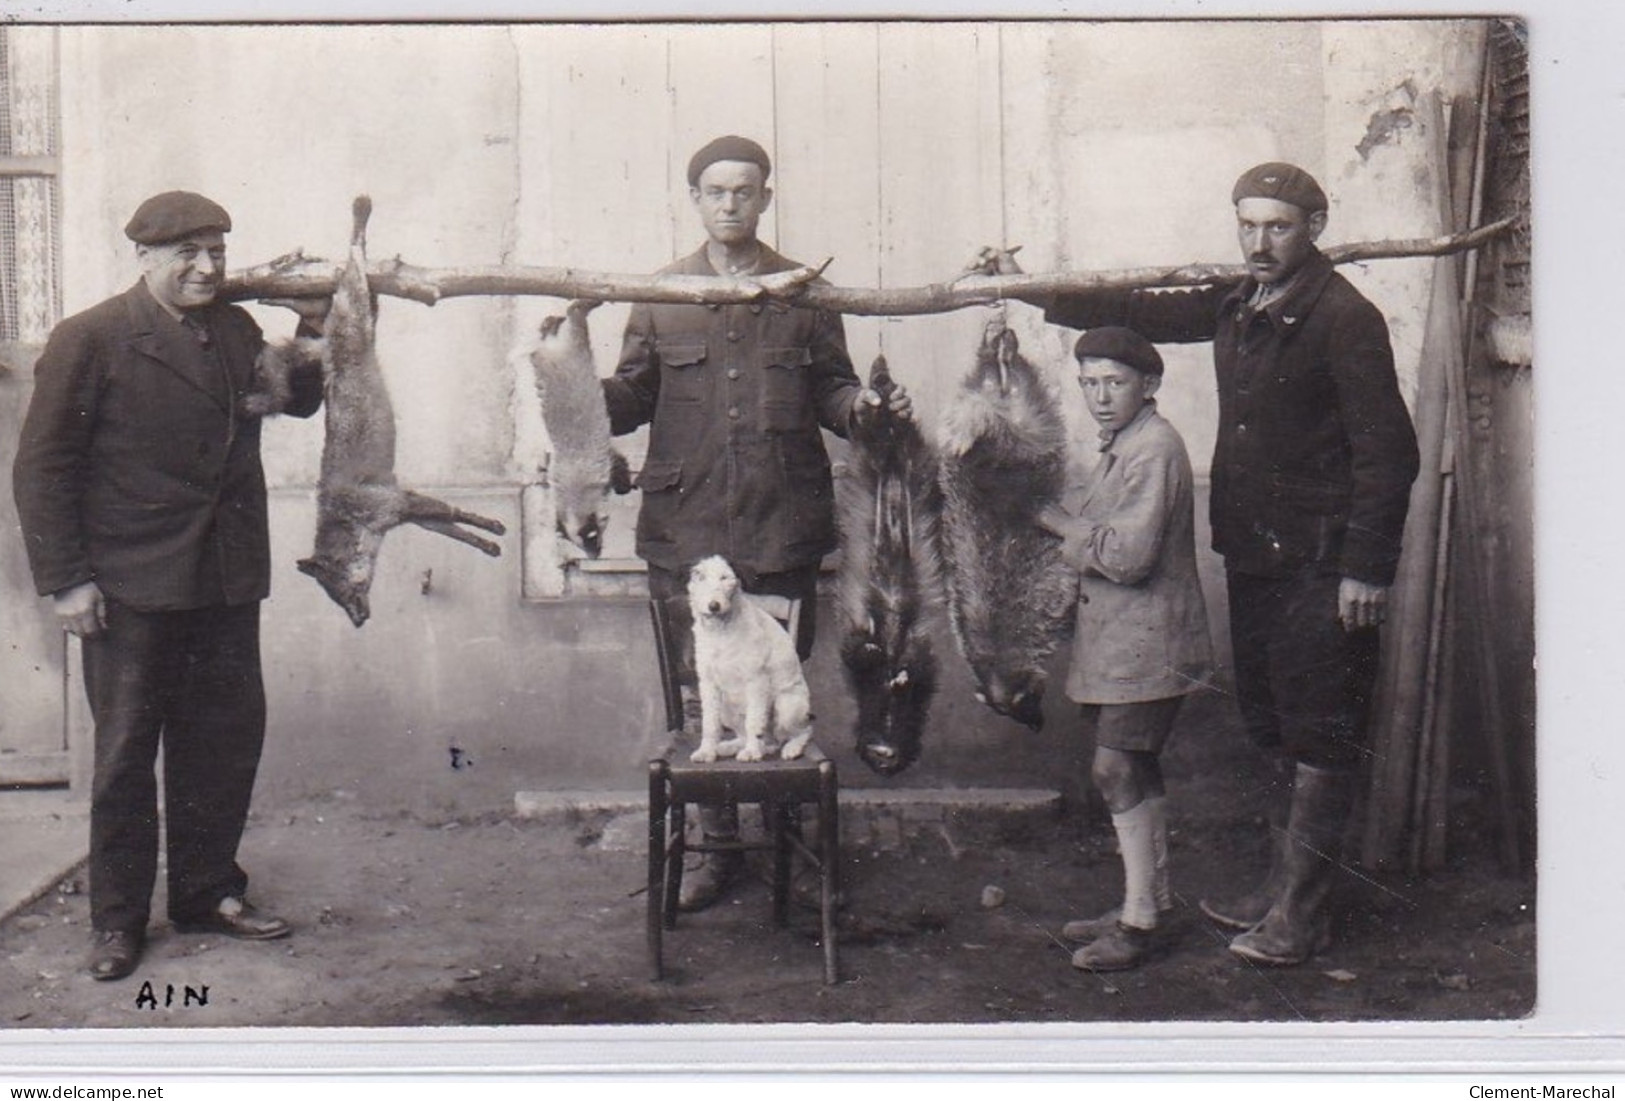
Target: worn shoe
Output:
[(237, 917), (704, 886), (1274, 944), (1122, 949), (1084, 930), (115, 953)]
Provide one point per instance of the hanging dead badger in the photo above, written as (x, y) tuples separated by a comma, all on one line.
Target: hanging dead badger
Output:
[(889, 506), (358, 499), (1003, 456), (584, 467)]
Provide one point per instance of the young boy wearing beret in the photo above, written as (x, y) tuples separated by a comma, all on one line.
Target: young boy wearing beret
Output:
[(1142, 631)]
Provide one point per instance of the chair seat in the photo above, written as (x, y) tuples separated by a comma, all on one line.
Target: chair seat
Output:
[(730, 781)]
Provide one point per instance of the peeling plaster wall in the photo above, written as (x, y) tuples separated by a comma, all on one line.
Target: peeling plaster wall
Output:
[(1380, 78)]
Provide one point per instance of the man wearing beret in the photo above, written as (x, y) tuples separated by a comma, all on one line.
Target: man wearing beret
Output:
[(1311, 482), (736, 398), (142, 501)]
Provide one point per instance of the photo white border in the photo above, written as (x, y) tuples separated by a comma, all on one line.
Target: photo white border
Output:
[(1577, 52)]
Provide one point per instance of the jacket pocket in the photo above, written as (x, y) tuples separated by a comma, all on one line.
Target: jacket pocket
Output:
[(786, 405), (1305, 518), (661, 481), (659, 475), (1312, 492), (681, 380)]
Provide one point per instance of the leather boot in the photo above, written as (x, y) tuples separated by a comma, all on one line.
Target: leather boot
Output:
[(706, 883), (1299, 923), (1247, 910)]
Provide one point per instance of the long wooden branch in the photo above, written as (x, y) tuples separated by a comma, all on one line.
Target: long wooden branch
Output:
[(297, 276)]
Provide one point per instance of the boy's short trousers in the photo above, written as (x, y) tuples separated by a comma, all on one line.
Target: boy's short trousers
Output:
[(1141, 727)]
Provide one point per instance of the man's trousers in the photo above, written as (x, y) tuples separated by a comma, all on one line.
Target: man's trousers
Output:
[(190, 681)]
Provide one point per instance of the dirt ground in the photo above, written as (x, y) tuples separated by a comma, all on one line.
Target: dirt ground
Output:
[(500, 921)]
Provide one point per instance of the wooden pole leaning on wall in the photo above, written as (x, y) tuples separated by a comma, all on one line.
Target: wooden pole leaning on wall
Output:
[(1400, 735), (298, 276)]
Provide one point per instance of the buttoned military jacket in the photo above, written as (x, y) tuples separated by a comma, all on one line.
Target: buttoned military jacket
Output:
[(134, 469), (1315, 452), (735, 397)]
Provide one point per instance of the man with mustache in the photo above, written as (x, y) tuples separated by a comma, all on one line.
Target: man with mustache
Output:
[(142, 500), (737, 398), (1311, 482)]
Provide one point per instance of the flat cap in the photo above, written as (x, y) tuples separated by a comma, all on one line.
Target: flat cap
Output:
[(729, 147), (172, 215), (1125, 346), (1279, 180)]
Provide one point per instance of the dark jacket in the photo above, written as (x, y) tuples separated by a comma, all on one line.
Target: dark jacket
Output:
[(734, 397), (1315, 453), (133, 469)]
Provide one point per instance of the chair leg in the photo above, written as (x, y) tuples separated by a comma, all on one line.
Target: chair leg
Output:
[(781, 815), (655, 915), (676, 853), (829, 860)]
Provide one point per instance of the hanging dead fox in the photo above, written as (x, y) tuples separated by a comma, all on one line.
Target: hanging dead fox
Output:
[(358, 499), (584, 467), (889, 506), (1003, 456)]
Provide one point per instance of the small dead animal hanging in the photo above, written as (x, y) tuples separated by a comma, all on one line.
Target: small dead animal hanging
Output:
[(584, 468), (358, 499)]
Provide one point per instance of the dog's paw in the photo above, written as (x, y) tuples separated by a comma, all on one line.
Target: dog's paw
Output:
[(704, 755), (750, 753), (793, 748)]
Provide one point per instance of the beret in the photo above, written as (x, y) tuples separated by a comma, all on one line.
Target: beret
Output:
[(172, 215), (1125, 346), (1278, 180), (729, 147)]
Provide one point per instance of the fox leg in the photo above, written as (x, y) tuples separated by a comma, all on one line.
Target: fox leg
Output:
[(437, 516)]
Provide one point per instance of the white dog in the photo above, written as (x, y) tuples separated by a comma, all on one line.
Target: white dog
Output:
[(750, 678)]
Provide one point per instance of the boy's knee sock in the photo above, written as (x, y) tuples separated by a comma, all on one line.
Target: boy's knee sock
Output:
[(1135, 843), (1161, 884)]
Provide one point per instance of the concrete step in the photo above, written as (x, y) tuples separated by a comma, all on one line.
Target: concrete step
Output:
[(878, 818)]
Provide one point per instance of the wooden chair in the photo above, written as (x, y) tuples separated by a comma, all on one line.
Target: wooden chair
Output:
[(780, 787)]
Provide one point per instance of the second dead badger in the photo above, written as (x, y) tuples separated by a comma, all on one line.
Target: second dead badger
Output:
[(1003, 457)]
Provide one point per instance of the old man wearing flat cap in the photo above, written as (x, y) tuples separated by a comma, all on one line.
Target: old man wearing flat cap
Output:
[(737, 398), (1311, 482), (142, 500)]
